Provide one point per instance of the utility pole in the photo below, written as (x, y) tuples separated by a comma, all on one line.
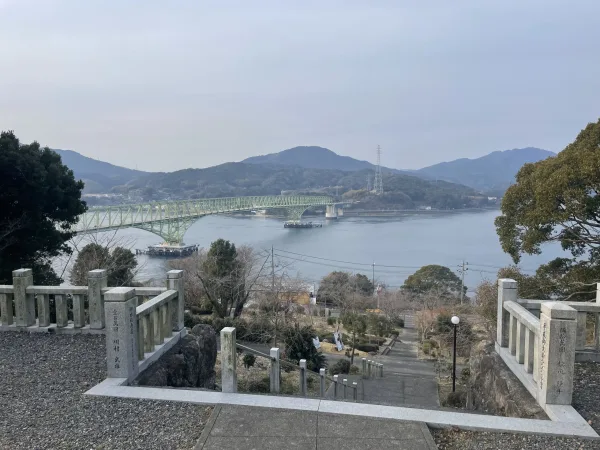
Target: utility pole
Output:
[(378, 182), (462, 269), (272, 271)]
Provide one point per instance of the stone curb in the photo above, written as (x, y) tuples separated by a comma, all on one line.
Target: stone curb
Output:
[(208, 427)]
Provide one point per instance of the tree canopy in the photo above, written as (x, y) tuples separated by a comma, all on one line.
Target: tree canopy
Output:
[(434, 278), (40, 201), (119, 264), (335, 287), (556, 200)]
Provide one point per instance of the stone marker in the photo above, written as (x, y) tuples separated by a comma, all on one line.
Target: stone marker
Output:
[(175, 282), (24, 302), (275, 378), (558, 329), (507, 291), (121, 333)]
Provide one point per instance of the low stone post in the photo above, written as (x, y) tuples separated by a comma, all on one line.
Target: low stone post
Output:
[(558, 329), (24, 302), (507, 291), (228, 360), (322, 382), (275, 375), (345, 383), (121, 333), (97, 280), (369, 363), (6, 309), (381, 370), (364, 367), (355, 393), (303, 375), (335, 386), (43, 302), (175, 282)]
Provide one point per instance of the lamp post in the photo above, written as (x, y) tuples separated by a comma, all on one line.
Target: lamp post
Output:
[(455, 321)]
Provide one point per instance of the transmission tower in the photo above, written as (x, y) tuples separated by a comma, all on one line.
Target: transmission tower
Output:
[(378, 183), (368, 183)]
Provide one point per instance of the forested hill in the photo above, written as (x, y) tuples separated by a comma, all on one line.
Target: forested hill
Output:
[(240, 179)]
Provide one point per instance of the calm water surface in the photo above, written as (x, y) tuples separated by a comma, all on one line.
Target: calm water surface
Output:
[(407, 242)]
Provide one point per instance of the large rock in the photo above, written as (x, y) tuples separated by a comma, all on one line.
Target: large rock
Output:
[(495, 389), (190, 363)]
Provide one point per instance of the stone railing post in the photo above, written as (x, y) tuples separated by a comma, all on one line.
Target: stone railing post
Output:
[(364, 367), (558, 329), (322, 383), (335, 386), (97, 280), (175, 283), (345, 382), (275, 377), (507, 291), (228, 360), (355, 392), (121, 333), (303, 375), (24, 302)]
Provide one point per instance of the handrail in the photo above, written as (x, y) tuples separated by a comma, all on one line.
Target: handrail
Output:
[(149, 306), (256, 352), (57, 290), (592, 307), (523, 316)]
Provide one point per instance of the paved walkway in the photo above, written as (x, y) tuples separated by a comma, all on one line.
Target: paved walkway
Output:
[(407, 380), (245, 428)]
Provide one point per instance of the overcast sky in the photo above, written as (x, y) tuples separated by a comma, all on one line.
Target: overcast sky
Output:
[(165, 85)]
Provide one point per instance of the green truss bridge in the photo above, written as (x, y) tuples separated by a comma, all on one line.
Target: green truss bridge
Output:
[(171, 219)]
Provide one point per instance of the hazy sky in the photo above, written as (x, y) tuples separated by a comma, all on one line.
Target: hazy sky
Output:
[(165, 85)]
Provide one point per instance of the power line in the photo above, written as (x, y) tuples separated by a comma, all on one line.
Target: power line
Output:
[(348, 262)]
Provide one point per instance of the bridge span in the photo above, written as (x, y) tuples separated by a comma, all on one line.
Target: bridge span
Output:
[(171, 219)]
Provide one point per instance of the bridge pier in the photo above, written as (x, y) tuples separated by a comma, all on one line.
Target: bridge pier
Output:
[(331, 212)]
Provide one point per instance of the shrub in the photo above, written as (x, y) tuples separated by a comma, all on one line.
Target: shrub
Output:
[(465, 375), (444, 323), (456, 399), (299, 345), (341, 366), (249, 360), (262, 385), (191, 320), (399, 322), (367, 347), (331, 321), (354, 370), (426, 347)]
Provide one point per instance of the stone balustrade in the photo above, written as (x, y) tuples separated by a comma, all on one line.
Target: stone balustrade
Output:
[(77, 309), (539, 340)]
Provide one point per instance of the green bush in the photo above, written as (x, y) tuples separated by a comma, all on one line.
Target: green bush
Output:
[(367, 347), (331, 321), (354, 370), (456, 399), (444, 323), (191, 320), (249, 359), (399, 322), (262, 385), (299, 345), (465, 375), (341, 366), (426, 347)]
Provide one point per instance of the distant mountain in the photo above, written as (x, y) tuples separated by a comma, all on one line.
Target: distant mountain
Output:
[(493, 172), (99, 176), (242, 179), (315, 158)]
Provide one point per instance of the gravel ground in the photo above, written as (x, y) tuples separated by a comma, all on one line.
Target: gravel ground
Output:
[(42, 379), (586, 400)]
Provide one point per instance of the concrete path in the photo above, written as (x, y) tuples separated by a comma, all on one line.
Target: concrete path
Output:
[(407, 380), (246, 428)]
